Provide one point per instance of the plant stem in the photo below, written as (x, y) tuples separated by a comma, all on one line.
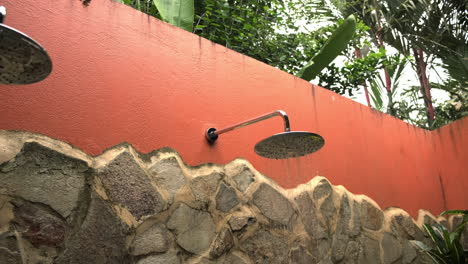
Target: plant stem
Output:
[(424, 82), (388, 82)]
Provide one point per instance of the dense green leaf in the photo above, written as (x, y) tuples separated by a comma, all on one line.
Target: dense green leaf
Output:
[(464, 212), (420, 245), (330, 50), (179, 13), (436, 237)]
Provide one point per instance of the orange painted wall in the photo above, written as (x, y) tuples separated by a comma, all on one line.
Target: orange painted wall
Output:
[(120, 75)]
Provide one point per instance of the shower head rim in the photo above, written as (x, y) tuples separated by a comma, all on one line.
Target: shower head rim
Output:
[(318, 137), (46, 62)]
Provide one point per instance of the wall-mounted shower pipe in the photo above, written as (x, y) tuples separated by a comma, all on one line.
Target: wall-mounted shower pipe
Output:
[(212, 134)]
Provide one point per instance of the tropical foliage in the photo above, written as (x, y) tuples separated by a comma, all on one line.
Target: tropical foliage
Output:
[(392, 37), (447, 246), (429, 31), (333, 47)]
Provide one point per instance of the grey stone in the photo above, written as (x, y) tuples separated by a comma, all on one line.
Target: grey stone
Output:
[(326, 261), (9, 257), (320, 248), (194, 229), (403, 226), (235, 257), (344, 217), (352, 253), (226, 198), (355, 228), (392, 249), (39, 174), (127, 184), (204, 187), (273, 204), (39, 224), (371, 216), (339, 244), (341, 236), (155, 239), (240, 220), (344, 220), (222, 243), (264, 247), (168, 174), (200, 260), (454, 222), (9, 243), (371, 252), (243, 179), (100, 239), (166, 258), (427, 218), (300, 255), (328, 209), (409, 253), (423, 258), (322, 189), (308, 213)]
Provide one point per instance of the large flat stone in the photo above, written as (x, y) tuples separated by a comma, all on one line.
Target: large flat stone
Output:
[(300, 255), (355, 228), (9, 257), (322, 190), (351, 255), (371, 216), (328, 209), (40, 224), (341, 235), (226, 198), (128, 185), (235, 257), (273, 204), (392, 249), (39, 174), (194, 229), (204, 187), (371, 252), (409, 253), (244, 179), (168, 175), (167, 258), (403, 226), (153, 240), (264, 247), (308, 214), (239, 220), (100, 239), (222, 243)]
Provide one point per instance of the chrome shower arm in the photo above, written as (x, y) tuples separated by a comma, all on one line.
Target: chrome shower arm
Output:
[(212, 133)]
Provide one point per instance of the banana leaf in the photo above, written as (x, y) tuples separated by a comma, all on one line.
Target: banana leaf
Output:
[(179, 13)]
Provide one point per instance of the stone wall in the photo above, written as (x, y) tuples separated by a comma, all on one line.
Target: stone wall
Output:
[(59, 205)]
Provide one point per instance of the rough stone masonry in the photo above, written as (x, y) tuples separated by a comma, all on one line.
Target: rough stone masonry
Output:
[(59, 205)]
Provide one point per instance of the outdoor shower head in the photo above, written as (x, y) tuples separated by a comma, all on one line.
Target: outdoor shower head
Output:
[(22, 60), (289, 144)]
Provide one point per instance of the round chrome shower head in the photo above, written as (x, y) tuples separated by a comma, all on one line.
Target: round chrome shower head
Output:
[(289, 145), (22, 60)]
